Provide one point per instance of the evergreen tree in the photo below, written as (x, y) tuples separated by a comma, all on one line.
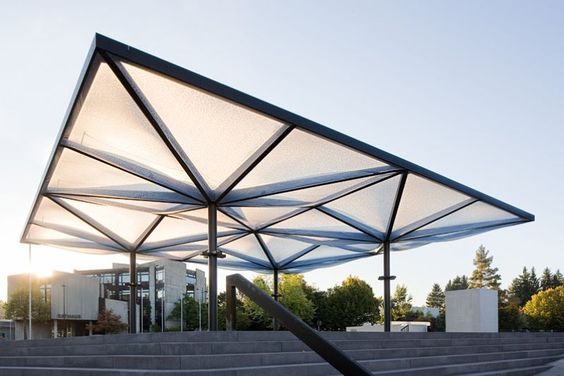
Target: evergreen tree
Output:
[(557, 279), (547, 280), (401, 303), (458, 283), (484, 275), (524, 286), (436, 298)]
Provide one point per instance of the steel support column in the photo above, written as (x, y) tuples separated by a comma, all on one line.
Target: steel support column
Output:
[(212, 267), (387, 293), (132, 292), (275, 295)]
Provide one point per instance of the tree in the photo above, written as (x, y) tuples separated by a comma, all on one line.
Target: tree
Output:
[(350, 304), (2, 310), (107, 323), (190, 314), (436, 298), (509, 312), (17, 307), (484, 275), (294, 297), (557, 279), (549, 280), (545, 310), (524, 286), (258, 318), (458, 283), (401, 303)]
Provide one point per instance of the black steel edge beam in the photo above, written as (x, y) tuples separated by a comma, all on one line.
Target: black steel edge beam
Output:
[(55, 151), (253, 161), (158, 126), (152, 62)]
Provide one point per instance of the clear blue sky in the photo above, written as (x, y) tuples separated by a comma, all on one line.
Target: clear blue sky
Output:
[(473, 90)]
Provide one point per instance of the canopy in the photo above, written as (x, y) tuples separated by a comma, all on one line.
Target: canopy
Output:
[(147, 147)]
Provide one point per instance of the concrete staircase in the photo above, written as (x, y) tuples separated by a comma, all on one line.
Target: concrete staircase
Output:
[(280, 353)]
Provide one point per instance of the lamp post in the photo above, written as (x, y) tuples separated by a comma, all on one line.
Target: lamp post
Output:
[(29, 295), (182, 313), (64, 286)]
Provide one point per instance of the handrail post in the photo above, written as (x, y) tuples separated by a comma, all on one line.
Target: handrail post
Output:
[(231, 303)]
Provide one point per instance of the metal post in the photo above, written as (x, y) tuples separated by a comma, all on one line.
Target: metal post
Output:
[(387, 295), (64, 286), (231, 303), (29, 295), (132, 292), (200, 309), (163, 312), (141, 309), (182, 313), (212, 267), (275, 296)]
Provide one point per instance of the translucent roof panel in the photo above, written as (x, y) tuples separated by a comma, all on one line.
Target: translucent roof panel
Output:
[(148, 148), (304, 155), (194, 117), (111, 127)]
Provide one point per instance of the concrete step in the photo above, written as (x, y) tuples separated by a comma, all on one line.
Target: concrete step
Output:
[(269, 336), (249, 360), (247, 346), (314, 369), (523, 371), (488, 367)]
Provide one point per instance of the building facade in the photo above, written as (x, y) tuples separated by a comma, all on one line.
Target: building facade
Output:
[(70, 301), (160, 285)]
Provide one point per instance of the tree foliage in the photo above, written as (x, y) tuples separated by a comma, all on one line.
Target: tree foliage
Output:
[(107, 323), (17, 307), (545, 310), (2, 310), (436, 298), (524, 286), (484, 275), (458, 283), (401, 303), (191, 313), (352, 303), (549, 280)]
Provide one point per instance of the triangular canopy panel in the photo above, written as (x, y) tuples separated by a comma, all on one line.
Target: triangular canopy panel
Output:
[(148, 147)]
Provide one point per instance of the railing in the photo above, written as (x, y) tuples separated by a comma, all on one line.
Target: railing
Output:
[(294, 324)]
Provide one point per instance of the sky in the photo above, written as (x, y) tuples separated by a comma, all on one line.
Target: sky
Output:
[(473, 90)]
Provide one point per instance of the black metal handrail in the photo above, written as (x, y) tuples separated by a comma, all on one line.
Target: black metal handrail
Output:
[(294, 324)]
